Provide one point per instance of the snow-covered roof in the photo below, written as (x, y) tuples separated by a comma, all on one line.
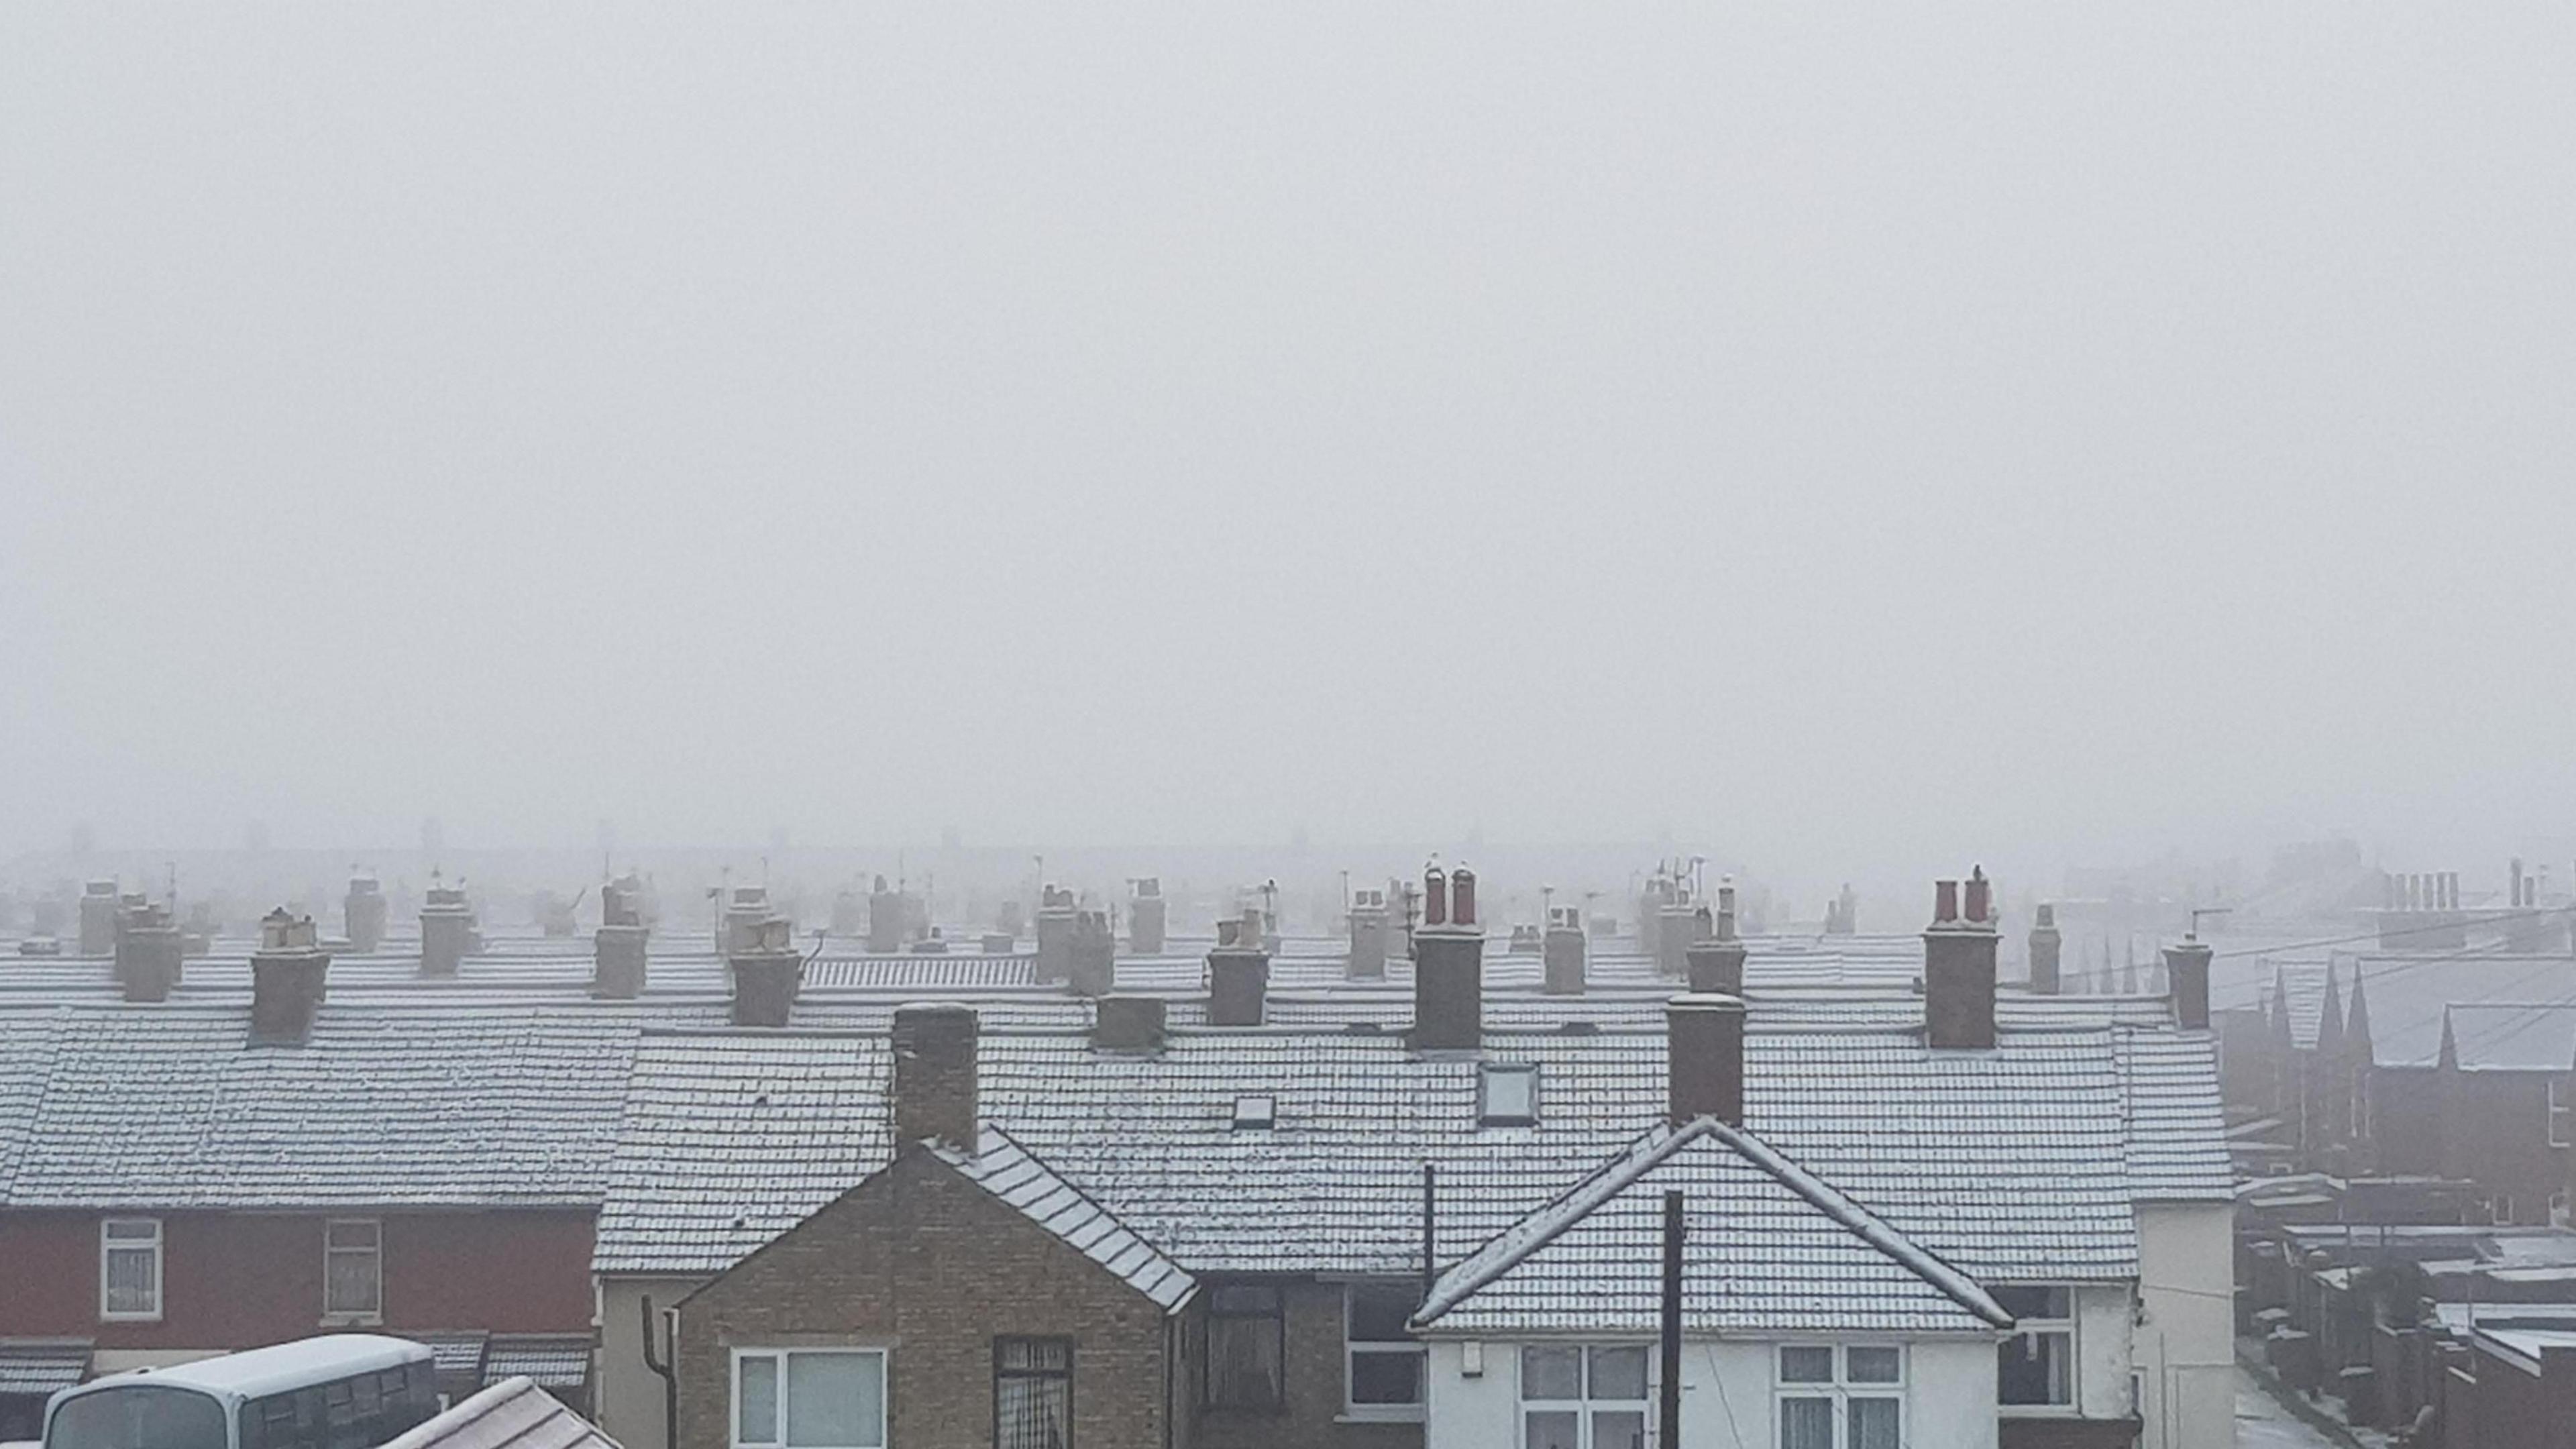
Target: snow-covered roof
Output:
[(2177, 1124), (551, 1360), (1768, 1248), (2510, 1037), (1019, 1180), (167, 1106), (40, 1366), (512, 1414)]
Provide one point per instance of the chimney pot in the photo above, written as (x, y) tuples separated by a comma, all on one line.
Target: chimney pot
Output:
[(935, 1090), (1704, 1058), (1980, 906), (1945, 902), (1435, 897), (1462, 897)]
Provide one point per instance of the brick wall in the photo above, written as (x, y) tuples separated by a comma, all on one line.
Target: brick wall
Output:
[(239, 1280), (1315, 1391), (2496, 1133), (923, 1263)]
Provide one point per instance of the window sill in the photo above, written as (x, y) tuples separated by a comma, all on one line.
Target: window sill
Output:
[(2037, 1411), (352, 1320), (1380, 1414), (129, 1318)]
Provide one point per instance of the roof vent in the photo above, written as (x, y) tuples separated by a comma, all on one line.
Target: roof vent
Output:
[(1257, 1113)]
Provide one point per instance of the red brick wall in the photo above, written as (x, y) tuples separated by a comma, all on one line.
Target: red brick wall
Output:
[(921, 1262), (1315, 1391), (2515, 1408), (2406, 1120), (2495, 1132), (237, 1280)]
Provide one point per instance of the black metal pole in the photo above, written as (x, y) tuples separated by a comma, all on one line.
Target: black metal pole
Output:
[(1430, 1238), (1669, 1417)]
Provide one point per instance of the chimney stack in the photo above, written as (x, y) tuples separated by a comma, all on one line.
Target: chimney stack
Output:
[(363, 911), (1959, 968), (1367, 960), (1704, 1051), (934, 1076), (1092, 968), (289, 978), (1449, 965), (1238, 973), (1716, 963), (618, 954), (2046, 946), (2187, 973), (1147, 914), (98, 907), (885, 919), (766, 972), (1677, 926), (1563, 951), (1128, 1024), (147, 952), (1055, 936), (446, 930)]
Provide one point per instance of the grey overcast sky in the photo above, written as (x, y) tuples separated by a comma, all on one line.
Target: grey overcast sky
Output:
[(1847, 433)]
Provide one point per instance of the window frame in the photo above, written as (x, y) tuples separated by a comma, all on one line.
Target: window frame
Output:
[(157, 1245), (1584, 1405), (2562, 1112), (2069, 1328), (1277, 1317), (1840, 1388), (779, 1354), (1256, 1112), (1408, 1347), (331, 1252), (1487, 1074), (1065, 1375)]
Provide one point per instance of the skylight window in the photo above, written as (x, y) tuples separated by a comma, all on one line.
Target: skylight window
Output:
[(1510, 1094), (1255, 1114)]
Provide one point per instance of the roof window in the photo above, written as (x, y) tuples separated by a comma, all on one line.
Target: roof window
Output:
[(1509, 1094), (1255, 1114)]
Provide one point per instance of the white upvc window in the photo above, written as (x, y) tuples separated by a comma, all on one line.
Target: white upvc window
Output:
[(2562, 1112), (2036, 1366), (129, 1269), (353, 1270), (809, 1398), (1584, 1397), (1849, 1396), (1382, 1369)]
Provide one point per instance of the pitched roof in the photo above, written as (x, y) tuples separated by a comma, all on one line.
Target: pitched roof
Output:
[(2177, 1122), (1768, 1248), (168, 1106), (2507, 1037), (511, 1414), (2409, 996), (1020, 1181), (40, 1366)]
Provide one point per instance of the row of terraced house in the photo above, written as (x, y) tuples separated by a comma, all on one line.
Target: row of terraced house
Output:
[(1245, 1191)]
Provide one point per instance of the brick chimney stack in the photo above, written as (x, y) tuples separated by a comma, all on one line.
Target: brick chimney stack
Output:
[(98, 907), (1092, 965), (1704, 1051), (1128, 1024), (1147, 915), (289, 979), (1367, 960), (2046, 947), (1238, 973), (1449, 965), (767, 972), (1677, 927), (446, 929), (147, 952), (1055, 935), (885, 919), (2187, 973), (1563, 951), (618, 951), (363, 912), (1716, 962), (935, 1095), (1959, 967)]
